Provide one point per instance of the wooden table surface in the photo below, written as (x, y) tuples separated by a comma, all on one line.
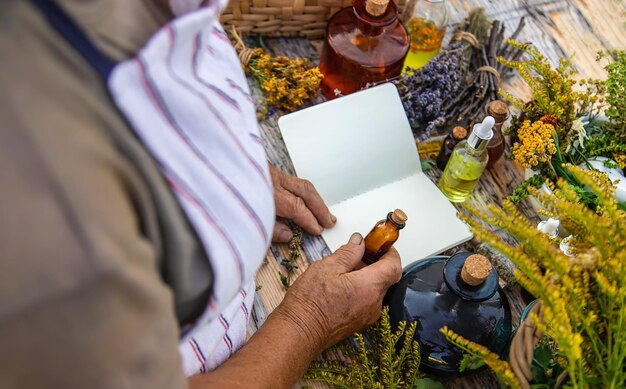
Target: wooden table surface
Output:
[(559, 28)]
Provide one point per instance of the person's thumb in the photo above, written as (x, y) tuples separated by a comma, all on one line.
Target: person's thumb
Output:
[(349, 255), (282, 233)]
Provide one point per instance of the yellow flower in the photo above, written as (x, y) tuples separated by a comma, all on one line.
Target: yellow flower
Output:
[(287, 82), (536, 144)]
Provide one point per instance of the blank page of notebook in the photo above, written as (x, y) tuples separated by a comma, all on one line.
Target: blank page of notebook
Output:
[(360, 154)]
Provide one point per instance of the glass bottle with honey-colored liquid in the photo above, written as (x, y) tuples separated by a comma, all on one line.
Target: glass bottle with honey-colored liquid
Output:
[(365, 44), (426, 22), (383, 236), (467, 163)]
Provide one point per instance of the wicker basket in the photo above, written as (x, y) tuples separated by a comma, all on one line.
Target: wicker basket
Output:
[(283, 18), (523, 346)]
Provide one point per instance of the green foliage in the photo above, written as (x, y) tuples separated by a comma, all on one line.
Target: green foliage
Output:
[(477, 352), (616, 92), (375, 361), (520, 193), (427, 165), (545, 368), (470, 362), (583, 297), (573, 112), (552, 88), (611, 142)]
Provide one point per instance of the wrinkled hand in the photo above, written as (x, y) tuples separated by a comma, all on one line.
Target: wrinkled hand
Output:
[(331, 300), (298, 200)]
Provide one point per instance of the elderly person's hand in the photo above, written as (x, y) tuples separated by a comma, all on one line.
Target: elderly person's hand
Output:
[(330, 301), (336, 296), (298, 200)]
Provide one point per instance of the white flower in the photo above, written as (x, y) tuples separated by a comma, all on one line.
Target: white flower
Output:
[(578, 126), (549, 227)]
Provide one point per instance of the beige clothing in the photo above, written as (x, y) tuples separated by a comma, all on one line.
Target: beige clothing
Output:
[(97, 261)]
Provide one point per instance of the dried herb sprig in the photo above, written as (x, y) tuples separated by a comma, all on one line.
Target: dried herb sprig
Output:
[(484, 73), (287, 82), (456, 85), (376, 360), (290, 264), (552, 91)]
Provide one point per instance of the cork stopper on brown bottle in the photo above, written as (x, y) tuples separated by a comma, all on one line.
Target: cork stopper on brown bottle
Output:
[(475, 270), (459, 133), (376, 7), (499, 110), (399, 217)]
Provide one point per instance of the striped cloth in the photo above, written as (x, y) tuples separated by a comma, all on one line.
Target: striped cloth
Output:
[(186, 98)]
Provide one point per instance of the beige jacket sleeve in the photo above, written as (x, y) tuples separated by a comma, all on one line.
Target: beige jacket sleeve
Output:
[(82, 303)]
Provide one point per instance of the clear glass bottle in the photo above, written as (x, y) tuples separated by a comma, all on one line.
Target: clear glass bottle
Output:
[(467, 163), (383, 236), (364, 44), (426, 22), (460, 292), (495, 148)]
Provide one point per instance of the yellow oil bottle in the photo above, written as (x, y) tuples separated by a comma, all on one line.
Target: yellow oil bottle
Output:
[(467, 163)]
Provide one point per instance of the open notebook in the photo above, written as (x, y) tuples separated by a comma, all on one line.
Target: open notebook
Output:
[(360, 154)]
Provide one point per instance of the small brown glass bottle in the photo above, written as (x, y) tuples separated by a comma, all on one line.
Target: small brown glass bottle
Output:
[(364, 44), (495, 148), (457, 134), (383, 236)]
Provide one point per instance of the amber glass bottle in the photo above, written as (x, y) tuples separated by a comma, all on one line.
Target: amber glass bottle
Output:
[(383, 236), (364, 44), (457, 134), (495, 148)]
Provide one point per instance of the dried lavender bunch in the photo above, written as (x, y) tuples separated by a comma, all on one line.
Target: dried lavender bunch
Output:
[(424, 92)]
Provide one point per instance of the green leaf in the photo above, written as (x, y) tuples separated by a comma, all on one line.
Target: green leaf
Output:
[(427, 165), (427, 383), (542, 356), (539, 375), (470, 362), (284, 280)]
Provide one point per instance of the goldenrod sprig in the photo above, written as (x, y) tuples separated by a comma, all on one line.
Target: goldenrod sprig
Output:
[(583, 297)]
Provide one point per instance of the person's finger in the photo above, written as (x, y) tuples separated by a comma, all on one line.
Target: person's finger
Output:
[(350, 254), (360, 266), (293, 207), (387, 270), (282, 233), (306, 190)]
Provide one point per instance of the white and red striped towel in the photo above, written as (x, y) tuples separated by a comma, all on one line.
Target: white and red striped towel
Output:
[(187, 99)]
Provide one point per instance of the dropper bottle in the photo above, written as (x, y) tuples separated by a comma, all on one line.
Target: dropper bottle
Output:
[(467, 163)]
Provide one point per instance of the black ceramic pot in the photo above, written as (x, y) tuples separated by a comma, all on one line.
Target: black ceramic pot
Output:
[(432, 293)]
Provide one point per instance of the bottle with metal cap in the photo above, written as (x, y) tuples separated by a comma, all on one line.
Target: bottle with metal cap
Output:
[(467, 163), (383, 236)]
